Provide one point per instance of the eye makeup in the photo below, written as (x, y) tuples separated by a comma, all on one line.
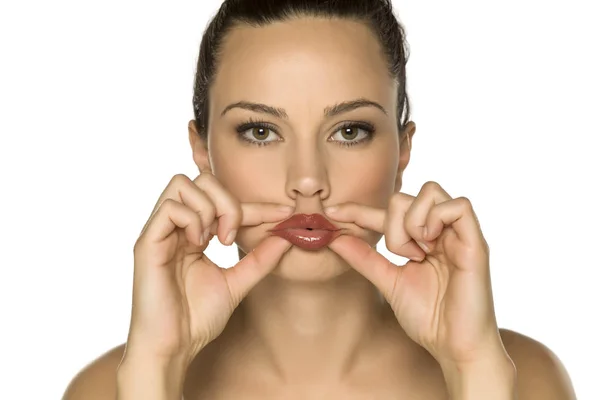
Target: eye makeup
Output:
[(262, 128)]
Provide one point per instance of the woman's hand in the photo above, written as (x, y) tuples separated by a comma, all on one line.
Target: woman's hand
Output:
[(181, 299), (443, 297)]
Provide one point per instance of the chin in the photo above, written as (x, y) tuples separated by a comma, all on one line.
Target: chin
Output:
[(310, 265)]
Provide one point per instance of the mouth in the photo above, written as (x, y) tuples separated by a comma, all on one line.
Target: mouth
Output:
[(309, 232)]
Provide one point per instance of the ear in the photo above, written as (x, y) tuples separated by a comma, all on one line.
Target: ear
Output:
[(199, 147), (405, 147)]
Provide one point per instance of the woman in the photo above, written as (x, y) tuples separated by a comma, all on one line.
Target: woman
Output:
[(301, 135)]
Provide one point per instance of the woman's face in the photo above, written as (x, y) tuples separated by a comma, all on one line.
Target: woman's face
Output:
[(308, 153)]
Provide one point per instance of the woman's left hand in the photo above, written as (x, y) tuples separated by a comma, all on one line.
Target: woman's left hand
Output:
[(444, 301)]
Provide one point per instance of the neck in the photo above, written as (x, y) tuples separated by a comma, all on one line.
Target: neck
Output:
[(311, 331)]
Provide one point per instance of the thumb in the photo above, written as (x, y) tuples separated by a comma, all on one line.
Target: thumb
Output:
[(251, 269), (368, 262)]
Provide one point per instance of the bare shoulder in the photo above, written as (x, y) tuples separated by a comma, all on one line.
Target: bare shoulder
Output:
[(97, 380), (540, 373)]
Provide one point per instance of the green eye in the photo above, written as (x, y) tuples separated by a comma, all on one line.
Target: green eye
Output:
[(350, 132), (353, 133), (260, 133)]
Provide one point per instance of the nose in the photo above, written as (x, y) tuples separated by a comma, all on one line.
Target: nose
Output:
[(307, 173)]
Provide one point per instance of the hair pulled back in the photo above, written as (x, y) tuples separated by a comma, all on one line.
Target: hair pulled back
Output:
[(378, 15)]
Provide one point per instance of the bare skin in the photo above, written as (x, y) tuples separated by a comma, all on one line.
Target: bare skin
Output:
[(221, 375), (314, 327)]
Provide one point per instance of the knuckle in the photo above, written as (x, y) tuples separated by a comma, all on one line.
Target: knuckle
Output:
[(195, 216), (236, 208), (411, 224), (396, 200), (179, 180), (212, 208), (464, 203), (139, 244), (167, 205), (205, 177), (430, 186), (207, 215), (486, 247)]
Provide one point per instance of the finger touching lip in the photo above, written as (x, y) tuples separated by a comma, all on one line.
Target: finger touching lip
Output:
[(364, 216), (257, 213)]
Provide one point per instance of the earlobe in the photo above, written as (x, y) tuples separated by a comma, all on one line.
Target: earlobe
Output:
[(199, 147)]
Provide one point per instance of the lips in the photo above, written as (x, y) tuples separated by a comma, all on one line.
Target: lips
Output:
[(309, 232)]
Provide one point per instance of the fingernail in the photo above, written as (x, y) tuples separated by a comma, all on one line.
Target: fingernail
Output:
[(230, 237), (423, 246), (206, 233), (331, 210), (425, 232), (286, 209)]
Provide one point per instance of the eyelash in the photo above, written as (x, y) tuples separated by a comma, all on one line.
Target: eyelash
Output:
[(251, 123)]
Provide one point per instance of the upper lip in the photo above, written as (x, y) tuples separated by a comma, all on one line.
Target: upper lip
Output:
[(306, 221)]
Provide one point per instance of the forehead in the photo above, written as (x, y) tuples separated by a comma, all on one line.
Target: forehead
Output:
[(302, 61)]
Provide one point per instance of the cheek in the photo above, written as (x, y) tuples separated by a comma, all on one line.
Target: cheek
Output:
[(370, 181), (245, 174), (249, 178), (252, 184)]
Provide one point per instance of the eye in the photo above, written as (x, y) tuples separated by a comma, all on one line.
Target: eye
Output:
[(353, 133), (257, 133)]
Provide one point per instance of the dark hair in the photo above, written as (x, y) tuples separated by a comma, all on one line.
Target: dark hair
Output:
[(376, 14)]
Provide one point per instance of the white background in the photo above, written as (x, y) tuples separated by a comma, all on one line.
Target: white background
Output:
[(95, 98)]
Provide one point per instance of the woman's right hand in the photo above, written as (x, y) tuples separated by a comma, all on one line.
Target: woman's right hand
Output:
[(181, 299)]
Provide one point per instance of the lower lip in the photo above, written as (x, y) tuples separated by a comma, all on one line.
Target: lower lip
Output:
[(308, 240)]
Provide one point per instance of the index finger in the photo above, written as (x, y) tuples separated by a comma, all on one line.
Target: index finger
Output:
[(362, 215), (224, 203), (231, 213), (256, 213)]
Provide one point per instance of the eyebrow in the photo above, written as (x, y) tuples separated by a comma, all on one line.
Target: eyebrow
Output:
[(328, 112)]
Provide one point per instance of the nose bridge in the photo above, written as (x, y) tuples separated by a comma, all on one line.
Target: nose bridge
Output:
[(307, 173)]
